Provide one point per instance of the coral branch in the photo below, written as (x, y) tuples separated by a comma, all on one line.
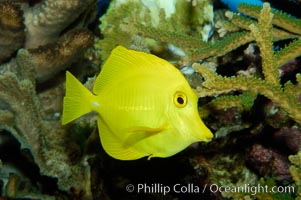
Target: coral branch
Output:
[(174, 37), (244, 23), (291, 51), (223, 46), (295, 170), (243, 102), (263, 37), (215, 85), (280, 19), (188, 26)]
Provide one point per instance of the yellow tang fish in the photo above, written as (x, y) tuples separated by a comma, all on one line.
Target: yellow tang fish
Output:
[(145, 105)]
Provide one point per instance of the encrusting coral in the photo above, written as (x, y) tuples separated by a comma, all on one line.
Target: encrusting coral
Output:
[(37, 43), (12, 33), (269, 163), (47, 20), (46, 30), (53, 58), (22, 115)]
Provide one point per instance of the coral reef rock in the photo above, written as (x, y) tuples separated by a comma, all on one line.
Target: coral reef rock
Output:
[(12, 33), (38, 40), (269, 162)]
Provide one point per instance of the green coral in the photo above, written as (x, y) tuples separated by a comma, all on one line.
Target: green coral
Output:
[(135, 26), (285, 96), (140, 32), (221, 47), (280, 27), (295, 170), (280, 19), (242, 102)]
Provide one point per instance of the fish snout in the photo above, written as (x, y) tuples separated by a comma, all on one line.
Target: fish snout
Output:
[(202, 132)]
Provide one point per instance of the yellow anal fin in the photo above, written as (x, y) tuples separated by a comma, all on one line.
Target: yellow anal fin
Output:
[(114, 146)]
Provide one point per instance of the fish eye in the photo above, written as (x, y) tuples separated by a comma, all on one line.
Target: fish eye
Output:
[(180, 99)]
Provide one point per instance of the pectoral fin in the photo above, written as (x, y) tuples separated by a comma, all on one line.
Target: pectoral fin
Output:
[(139, 133)]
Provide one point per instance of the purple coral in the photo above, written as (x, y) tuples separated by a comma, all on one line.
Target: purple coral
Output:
[(289, 138), (269, 162)]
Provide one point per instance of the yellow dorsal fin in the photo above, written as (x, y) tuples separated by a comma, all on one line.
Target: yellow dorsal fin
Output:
[(113, 146), (123, 62)]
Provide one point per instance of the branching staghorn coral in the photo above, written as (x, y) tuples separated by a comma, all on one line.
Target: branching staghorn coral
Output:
[(239, 33), (133, 31), (283, 27), (150, 25), (295, 170), (123, 29), (285, 96)]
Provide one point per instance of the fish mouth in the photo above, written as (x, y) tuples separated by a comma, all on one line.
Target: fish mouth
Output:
[(208, 139), (203, 133)]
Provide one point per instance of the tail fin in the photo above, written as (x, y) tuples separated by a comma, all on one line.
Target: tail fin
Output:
[(77, 99)]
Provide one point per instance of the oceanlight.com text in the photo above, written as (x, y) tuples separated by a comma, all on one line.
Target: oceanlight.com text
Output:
[(251, 189), (158, 188)]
